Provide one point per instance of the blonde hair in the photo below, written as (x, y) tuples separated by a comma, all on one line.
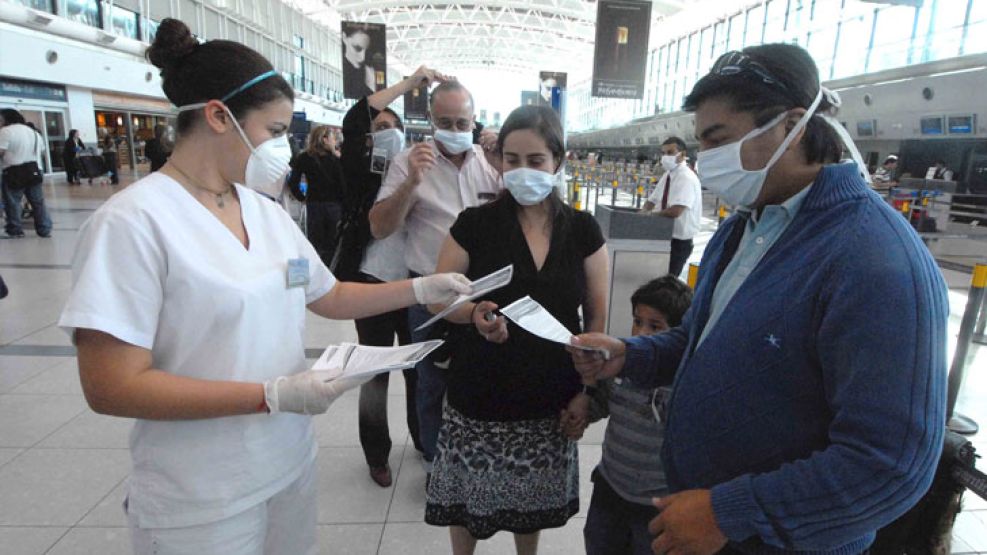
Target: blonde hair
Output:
[(314, 146)]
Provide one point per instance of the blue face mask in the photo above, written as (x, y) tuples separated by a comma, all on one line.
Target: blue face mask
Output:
[(454, 141), (528, 186)]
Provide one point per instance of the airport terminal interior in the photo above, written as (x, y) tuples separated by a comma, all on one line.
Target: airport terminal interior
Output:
[(909, 75)]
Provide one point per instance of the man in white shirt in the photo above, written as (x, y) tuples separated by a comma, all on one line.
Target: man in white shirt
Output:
[(677, 195), (425, 189), (21, 145)]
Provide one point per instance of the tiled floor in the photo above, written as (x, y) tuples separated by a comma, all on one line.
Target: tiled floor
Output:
[(63, 468)]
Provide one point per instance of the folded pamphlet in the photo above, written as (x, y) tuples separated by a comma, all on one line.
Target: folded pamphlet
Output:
[(533, 317), (479, 288), (352, 360)]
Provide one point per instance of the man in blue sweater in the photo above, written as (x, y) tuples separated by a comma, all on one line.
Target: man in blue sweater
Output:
[(808, 404)]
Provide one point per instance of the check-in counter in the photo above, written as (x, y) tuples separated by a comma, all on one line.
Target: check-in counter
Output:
[(639, 246)]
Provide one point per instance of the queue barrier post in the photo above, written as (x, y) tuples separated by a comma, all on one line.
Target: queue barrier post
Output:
[(957, 422), (693, 278)]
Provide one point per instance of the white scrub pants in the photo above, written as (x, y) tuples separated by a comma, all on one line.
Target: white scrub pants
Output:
[(284, 524)]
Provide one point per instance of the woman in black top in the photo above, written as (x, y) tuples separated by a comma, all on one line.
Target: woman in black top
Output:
[(73, 144), (158, 149), (324, 193), (504, 462)]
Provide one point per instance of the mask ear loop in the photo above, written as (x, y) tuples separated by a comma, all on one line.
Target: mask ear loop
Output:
[(844, 135), (802, 123)]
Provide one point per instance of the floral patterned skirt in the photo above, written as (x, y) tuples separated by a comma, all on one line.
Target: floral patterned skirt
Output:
[(489, 476)]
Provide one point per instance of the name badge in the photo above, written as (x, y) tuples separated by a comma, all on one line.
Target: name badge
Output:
[(298, 272)]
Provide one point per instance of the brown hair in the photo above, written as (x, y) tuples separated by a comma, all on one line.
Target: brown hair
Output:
[(313, 145)]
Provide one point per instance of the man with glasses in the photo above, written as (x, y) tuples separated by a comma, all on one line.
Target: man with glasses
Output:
[(425, 189), (800, 420)]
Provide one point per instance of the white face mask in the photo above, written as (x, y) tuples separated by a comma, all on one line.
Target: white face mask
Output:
[(455, 142), (268, 163), (669, 162), (529, 186), (721, 169), (389, 140)]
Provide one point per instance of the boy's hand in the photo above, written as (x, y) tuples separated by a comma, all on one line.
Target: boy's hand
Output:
[(575, 417)]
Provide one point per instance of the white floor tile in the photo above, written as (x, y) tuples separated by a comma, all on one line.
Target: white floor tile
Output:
[(971, 526), (109, 511), (406, 538), (25, 540), (57, 487), (86, 541), (340, 426), (62, 379), (27, 419), (15, 370), (7, 454), (408, 504), (349, 539), (347, 495), (92, 431), (52, 335)]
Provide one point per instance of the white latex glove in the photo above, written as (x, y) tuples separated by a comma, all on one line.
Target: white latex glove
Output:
[(306, 392), (440, 288)]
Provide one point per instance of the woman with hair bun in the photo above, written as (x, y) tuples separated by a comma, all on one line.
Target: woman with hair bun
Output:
[(188, 311)]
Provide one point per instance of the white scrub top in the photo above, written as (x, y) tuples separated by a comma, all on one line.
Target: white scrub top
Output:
[(156, 269)]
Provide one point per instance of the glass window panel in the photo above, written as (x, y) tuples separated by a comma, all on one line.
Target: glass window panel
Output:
[(735, 40), (720, 40), (892, 38), (774, 27), (212, 30), (83, 11), (123, 22), (976, 33), (755, 26), (694, 54), (159, 9), (945, 29), (40, 5), (820, 46), (150, 30), (854, 38), (189, 15), (705, 50)]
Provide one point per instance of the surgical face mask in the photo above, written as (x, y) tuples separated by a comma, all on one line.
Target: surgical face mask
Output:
[(455, 142), (390, 141), (669, 162), (529, 186), (267, 164), (721, 169)]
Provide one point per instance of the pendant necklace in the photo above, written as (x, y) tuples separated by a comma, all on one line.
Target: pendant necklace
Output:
[(219, 196)]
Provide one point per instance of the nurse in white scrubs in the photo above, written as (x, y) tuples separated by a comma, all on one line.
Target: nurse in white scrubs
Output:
[(188, 310)]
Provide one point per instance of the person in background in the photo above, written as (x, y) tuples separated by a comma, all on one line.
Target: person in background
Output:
[(372, 130), (110, 158), (70, 151), (504, 461), (425, 189), (323, 195), (188, 309), (158, 148), (20, 152), (941, 171), (884, 177), (630, 473), (798, 422), (679, 196)]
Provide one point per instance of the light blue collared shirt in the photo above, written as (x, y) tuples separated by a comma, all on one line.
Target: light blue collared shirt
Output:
[(759, 236)]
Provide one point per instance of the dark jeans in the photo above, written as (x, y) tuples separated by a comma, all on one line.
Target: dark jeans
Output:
[(681, 251), (375, 436), (71, 170), (615, 526), (110, 160), (322, 219), (12, 199), (431, 387)]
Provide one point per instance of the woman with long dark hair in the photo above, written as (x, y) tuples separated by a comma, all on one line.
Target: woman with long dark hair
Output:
[(504, 461), (323, 194)]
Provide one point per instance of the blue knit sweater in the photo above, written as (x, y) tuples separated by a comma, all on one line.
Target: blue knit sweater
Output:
[(815, 408)]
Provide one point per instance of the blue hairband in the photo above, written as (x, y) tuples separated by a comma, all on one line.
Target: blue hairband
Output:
[(248, 84)]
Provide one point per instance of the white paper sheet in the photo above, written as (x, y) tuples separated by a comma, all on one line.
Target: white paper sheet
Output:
[(480, 287), (350, 359), (533, 317)]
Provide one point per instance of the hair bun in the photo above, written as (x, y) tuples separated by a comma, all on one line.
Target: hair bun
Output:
[(172, 42)]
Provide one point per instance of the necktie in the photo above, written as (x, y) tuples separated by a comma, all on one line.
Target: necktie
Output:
[(664, 196)]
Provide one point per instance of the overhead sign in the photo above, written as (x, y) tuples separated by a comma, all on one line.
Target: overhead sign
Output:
[(364, 58), (30, 89), (623, 28), (416, 103)]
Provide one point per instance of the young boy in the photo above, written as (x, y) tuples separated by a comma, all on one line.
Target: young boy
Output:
[(630, 472)]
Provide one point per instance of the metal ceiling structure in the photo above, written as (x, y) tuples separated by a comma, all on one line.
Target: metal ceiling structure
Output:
[(499, 35)]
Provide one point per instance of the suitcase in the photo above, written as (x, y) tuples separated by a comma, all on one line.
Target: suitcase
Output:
[(91, 164)]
